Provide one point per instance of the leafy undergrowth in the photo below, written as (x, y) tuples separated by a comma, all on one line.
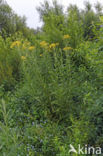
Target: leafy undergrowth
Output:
[(51, 86)]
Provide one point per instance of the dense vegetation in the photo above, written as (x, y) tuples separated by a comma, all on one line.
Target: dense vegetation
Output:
[(51, 92)]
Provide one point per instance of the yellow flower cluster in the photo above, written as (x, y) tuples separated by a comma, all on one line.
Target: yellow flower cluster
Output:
[(53, 45), (15, 44), (67, 48), (41, 55), (66, 36), (31, 48), (43, 44), (23, 57)]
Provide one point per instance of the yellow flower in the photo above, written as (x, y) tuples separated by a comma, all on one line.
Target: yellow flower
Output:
[(66, 36), (43, 44), (41, 54), (67, 48), (15, 44), (31, 48), (23, 57), (53, 45)]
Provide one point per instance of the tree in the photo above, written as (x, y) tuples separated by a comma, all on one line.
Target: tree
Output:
[(53, 21), (90, 19), (11, 22), (99, 8), (74, 25)]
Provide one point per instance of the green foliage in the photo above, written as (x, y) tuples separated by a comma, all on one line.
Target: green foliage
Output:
[(11, 22), (51, 82), (9, 64)]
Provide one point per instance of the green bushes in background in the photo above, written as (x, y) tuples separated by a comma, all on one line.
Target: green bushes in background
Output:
[(51, 84)]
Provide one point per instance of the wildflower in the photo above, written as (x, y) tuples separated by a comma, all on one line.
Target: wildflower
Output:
[(66, 36), (41, 54), (31, 48), (53, 45), (43, 44), (67, 48), (23, 57), (15, 44)]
